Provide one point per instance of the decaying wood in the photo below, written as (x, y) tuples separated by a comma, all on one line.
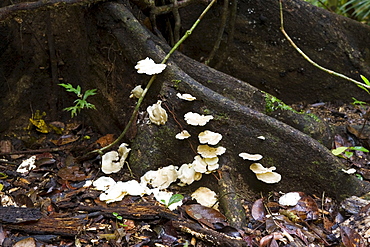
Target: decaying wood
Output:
[(52, 224), (230, 201), (14, 215)]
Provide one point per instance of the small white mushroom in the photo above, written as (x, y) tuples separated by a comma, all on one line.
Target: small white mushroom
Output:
[(157, 114), (182, 135), (210, 152), (162, 178), (137, 92), (186, 96), (110, 163), (123, 152), (199, 164), (196, 119), (205, 197), (104, 183), (349, 171), (187, 175), (289, 199), (149, 67), (209, 137), (248, 156), (258, 168), (115, 193), (269, 177), (27, 165)]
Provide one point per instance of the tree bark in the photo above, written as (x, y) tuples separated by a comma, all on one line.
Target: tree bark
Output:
[(98, 47)]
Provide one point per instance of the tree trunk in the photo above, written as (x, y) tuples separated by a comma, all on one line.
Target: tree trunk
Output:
[(98, 47)]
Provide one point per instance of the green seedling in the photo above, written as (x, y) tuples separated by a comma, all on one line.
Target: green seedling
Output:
[(119, 218), (81, 102), (358, 102), (347, 152), (174, 198)]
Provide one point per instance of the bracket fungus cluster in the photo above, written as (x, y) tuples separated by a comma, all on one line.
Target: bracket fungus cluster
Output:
[(264, 174), (113, 161)]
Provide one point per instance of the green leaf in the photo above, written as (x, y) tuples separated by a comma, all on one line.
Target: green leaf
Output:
[(357, 102), (365, 80), (88, 93), (1, 187), (115, 214), (339, 150), (348, 154), (3, 175), (175, 198), (119, 217), (364, 88), (359, 148), (70, 88)]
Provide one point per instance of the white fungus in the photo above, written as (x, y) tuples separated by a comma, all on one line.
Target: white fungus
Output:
[(103, 183), (157, 114), (253, 157), (137, 92), (27, 165), (161, 178), (186, 96), (110, 163), (182, 135), (187, 175), (210, 152), (289, 199), (205, 197), (265, 174), (209, 137), (196, 119), (149, 67)]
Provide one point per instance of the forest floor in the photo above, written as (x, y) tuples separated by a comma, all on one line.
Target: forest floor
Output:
[(51, 205)]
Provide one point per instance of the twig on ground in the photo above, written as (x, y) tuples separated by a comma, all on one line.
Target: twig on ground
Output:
[(308, 58)]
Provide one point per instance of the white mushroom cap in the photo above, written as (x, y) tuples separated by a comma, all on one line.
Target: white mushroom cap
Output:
[(209, 137), (103, 183), (137, 92), (114, 193), (110, 162), (197, 119), (188, 175), (134, 188), (269, 177), (149, 67), (289, 199), (265, 174), (205, 197), (199, 164), (123, 151), (182, 135), (248, 156), (258, 168), (157, 114), (210, 152), (162, 178), (186, 96)]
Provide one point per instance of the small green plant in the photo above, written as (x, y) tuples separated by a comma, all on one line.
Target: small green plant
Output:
[(81, 102), (174, 198), (358, 102), (119, 217), (347, 152)]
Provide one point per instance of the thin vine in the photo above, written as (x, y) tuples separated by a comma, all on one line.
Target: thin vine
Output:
[(140, 100)]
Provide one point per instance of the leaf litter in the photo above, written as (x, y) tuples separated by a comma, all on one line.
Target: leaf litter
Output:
[(58, 188)]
